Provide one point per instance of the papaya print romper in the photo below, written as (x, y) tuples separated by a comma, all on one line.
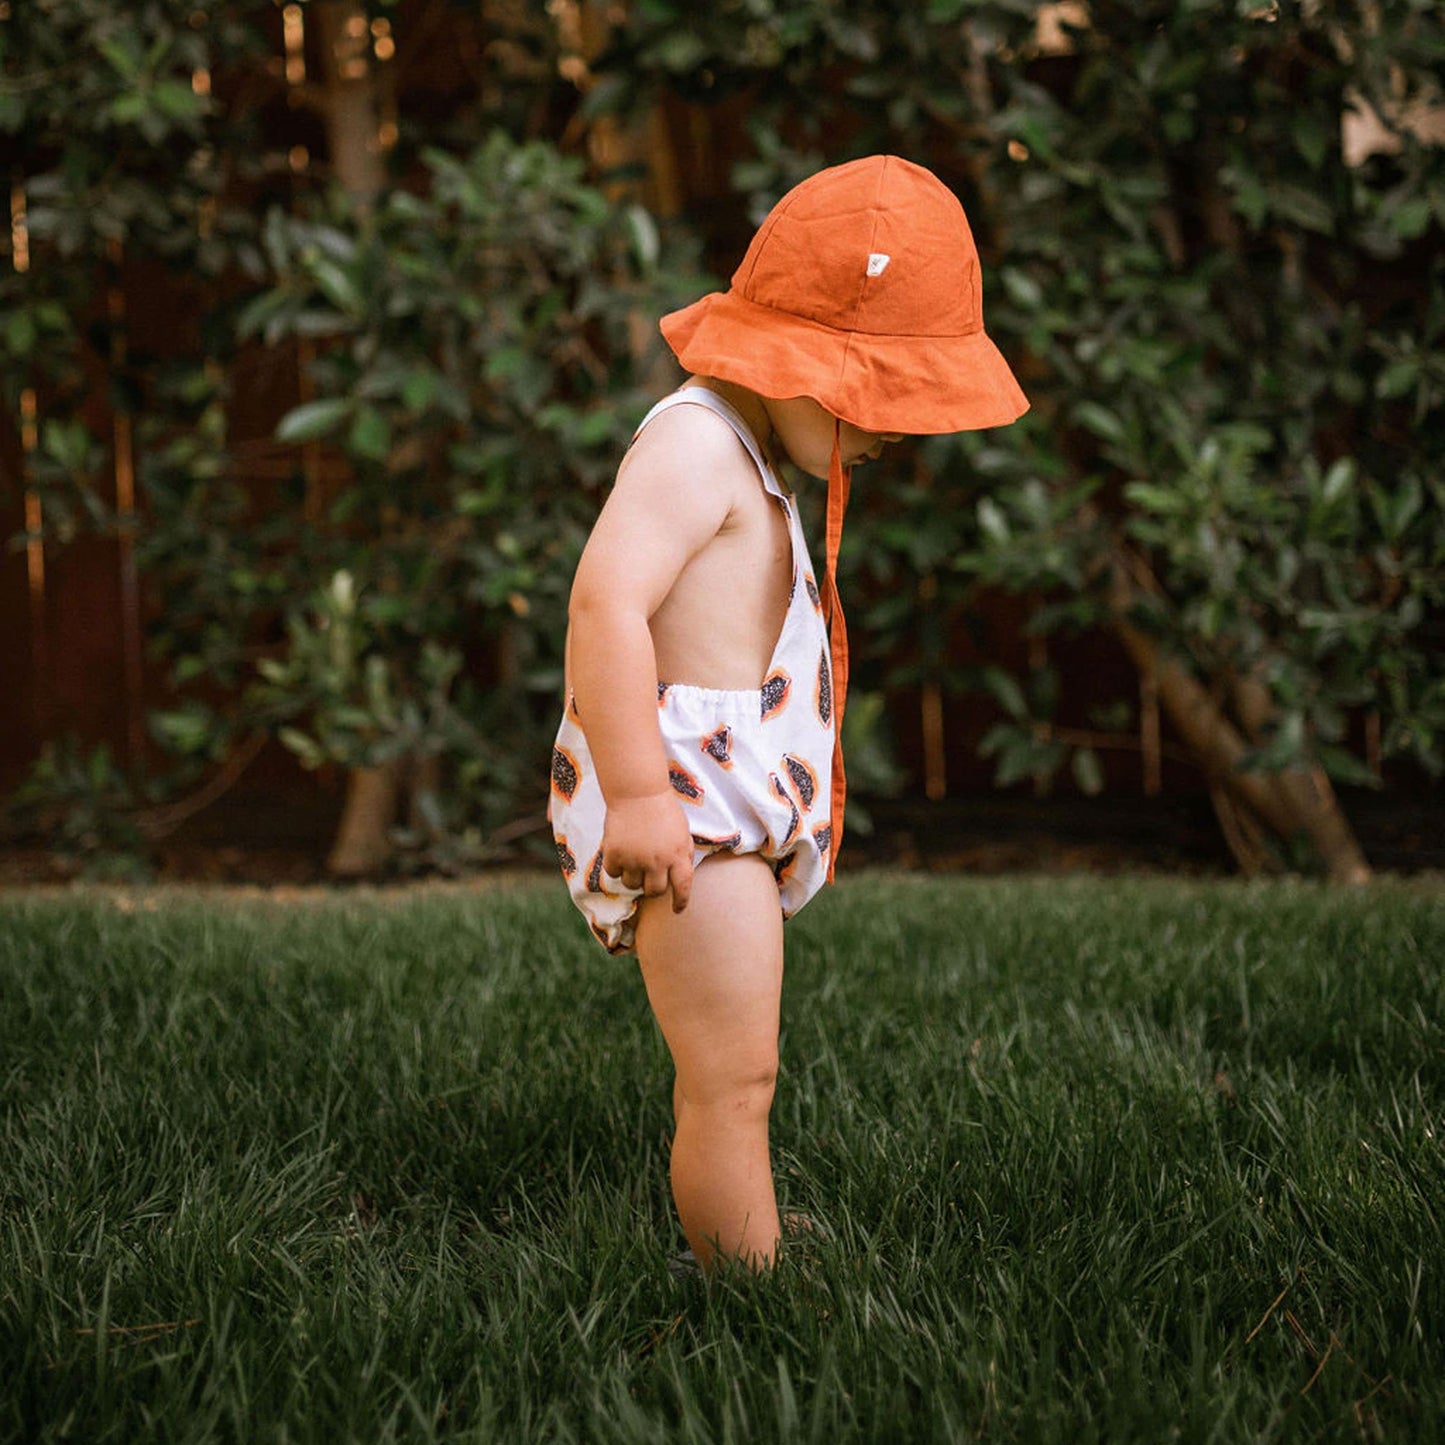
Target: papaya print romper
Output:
[(753, 768)]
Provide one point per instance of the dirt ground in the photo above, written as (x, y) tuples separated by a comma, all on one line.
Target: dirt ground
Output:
[(266, 842)]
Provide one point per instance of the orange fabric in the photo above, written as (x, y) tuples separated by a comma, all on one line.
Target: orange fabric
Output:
[(839, 484), (862, 290)]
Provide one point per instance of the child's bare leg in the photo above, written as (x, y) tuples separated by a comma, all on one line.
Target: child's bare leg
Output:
[(714, 974)]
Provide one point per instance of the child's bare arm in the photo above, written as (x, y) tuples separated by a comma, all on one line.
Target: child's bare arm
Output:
[(667, 504)]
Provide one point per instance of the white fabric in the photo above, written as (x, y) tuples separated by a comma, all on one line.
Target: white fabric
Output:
[(752, 767)]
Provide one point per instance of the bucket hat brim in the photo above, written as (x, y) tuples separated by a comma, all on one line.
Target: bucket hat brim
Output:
[(917, 385)]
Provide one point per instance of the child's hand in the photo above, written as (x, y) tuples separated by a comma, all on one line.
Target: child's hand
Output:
[(647, 844)]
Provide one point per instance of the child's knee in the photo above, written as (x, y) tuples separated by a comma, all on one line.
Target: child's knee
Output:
[(735, 1091)]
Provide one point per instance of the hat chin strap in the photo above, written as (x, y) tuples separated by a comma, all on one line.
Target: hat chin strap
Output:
[(839, 483)]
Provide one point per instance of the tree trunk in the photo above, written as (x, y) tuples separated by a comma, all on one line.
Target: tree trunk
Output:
[(632, 162), (1309, 789), (1295, 801), (362, 846), (350, 108)]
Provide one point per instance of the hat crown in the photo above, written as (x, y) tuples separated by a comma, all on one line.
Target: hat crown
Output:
[(862, 291), (878, 246)]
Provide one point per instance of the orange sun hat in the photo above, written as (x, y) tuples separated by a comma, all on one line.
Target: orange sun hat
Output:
[(861, 290)]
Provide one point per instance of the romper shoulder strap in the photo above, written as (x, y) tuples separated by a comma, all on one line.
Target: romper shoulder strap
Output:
[(701, 396)]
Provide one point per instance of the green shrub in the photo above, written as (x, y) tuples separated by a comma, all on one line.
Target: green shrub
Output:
[(1234, 343), (475, 368)]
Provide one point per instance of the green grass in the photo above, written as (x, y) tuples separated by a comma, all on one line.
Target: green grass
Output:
[(1100, 1161)]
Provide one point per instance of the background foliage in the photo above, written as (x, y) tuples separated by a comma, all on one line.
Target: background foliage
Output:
[(478, 379), (1232, 340), (1231, 337)]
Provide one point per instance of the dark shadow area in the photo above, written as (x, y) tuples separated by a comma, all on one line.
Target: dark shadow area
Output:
[(265, 837)]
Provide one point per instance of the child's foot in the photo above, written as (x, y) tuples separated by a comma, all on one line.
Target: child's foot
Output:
[(685, 1266), (795, 1223)]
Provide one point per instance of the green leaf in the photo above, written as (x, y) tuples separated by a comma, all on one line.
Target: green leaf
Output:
[(12, 113), (1408, 499), (186, 730), (1305, 208), (259, 310), (1006, 692), (1311, 137), (1338, 481), (335, 243), (473, 503), (337, 286), (1398, 379), (312, 419), (505, 362), (100, 768), (178, 100), (370, 435), (419, 389), (1284, 748), (1344, 767), (130, 107), (1411, 219), (595, 427), (680, 50), (1023, 290), (1251, 197), (1088, 774), (68, 443), (1152, 498), (306, 748), (20, 333), (1018, 759), (350, 716), (992, 519), (125, 61), (646, 243), (1032, 130), (451, 399), (1099, 420)]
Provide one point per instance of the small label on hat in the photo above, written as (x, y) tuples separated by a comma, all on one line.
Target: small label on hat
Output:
[(877, 263)]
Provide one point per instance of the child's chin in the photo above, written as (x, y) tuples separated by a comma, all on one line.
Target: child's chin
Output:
[(812, 469)]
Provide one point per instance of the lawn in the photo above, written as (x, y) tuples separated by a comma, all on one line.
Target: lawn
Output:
[(1098, 1160)]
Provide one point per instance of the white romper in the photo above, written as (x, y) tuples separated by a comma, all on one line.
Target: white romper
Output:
[(752, 767)]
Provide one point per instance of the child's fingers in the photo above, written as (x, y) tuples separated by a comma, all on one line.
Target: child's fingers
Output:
[(681, 876)]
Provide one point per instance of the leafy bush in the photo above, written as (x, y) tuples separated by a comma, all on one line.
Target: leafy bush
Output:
[(122, 154), (80, 804), (473, 379), (1195, 265), (1235, 454), (475, 368), (1234, 341)]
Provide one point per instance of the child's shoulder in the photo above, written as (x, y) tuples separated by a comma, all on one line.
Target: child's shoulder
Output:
[(688, 440)]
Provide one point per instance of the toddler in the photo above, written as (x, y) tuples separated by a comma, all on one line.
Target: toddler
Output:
[(697, 781)]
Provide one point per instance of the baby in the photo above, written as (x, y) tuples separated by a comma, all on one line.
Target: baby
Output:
[(697, 782)]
